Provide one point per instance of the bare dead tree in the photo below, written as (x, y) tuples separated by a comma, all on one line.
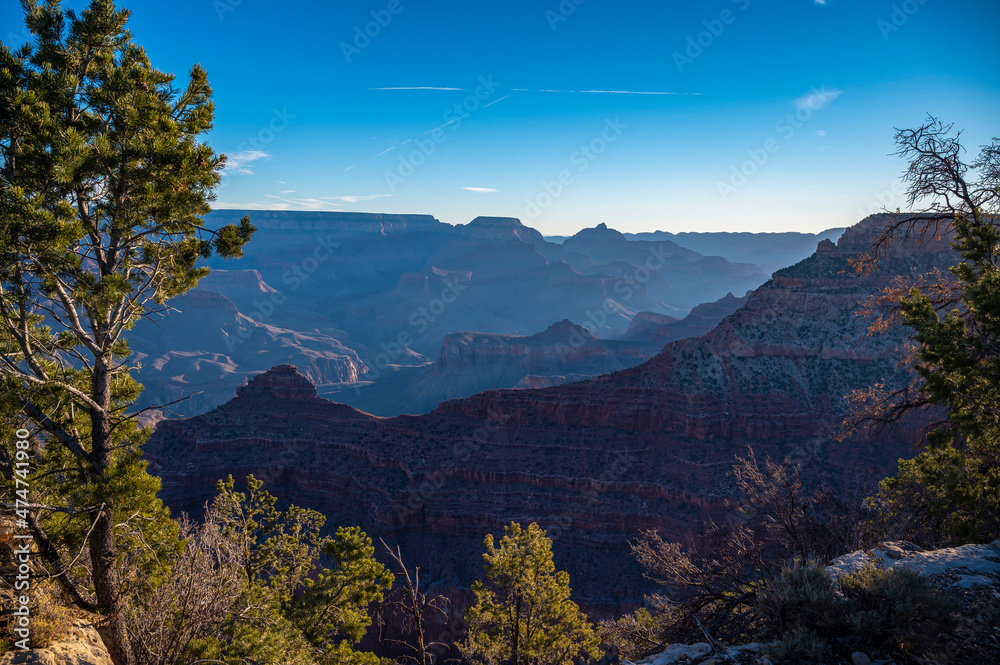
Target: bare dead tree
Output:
[(939, 186), (414, 605)]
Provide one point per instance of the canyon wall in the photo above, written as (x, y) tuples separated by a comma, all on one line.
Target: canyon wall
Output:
[(593, 462)]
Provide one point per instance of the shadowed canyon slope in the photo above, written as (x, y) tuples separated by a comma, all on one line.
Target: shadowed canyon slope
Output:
[(594, 462)]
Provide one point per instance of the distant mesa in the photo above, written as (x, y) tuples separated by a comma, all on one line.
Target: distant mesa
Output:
[(502, 228), (652, 326), (204, 299), (648, 322), (353, 222)]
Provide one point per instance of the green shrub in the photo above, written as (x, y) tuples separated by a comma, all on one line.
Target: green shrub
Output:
[(895, 609), (884, 612), (802, 647), (801, 598)]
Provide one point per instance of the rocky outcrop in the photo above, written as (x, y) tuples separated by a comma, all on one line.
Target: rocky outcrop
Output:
[(703, 653), (281, 382), (592, 462), (964, 567), (82, 646)]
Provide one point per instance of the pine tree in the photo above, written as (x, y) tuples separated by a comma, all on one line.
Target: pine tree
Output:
[(523, 614), (953, 487), (104, 180), (951, 491), (325, 609)]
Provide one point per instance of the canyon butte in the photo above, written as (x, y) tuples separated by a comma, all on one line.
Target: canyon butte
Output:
[(594, 462)]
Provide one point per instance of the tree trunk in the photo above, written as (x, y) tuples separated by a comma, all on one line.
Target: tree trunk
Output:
[(108, 589), (107, 586), (517, 632)]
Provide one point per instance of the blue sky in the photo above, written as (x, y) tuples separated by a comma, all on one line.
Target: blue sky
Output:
[(776, 115)]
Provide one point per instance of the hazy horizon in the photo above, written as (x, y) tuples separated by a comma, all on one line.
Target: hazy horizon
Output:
[(528, 223)]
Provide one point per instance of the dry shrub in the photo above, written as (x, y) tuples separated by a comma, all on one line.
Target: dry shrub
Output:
[(51, 618), (801, 647), (712, 591), (802, 521), (198, 597)]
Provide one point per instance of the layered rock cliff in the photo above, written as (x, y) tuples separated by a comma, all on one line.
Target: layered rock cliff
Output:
[(382, 292), (593, 462), (470, 362)]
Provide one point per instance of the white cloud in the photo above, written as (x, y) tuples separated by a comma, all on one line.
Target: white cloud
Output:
[(354, 198), (303, 203), (820, 2), (317, 203), (240, 162), (417, 87), (252, 205), (820, 132), (625, 92), (431, 131), (481, 190), (287, 191), (352, 166), (494, 102), (817, 99)]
